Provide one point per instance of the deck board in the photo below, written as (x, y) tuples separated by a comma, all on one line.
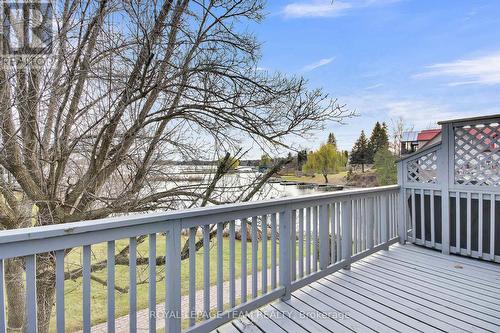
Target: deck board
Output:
[(463, 313), (408, 289), (441, 266)]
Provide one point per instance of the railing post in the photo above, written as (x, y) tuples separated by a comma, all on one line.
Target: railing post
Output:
[(324, 240), (173, 277), (346, 207), (444, 178), (401, 214), (285, 260), (384, 216)]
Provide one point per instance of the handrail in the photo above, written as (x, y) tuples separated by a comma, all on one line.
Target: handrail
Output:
[(421, 152), (73, 228)]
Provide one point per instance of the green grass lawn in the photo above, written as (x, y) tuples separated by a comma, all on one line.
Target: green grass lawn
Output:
[(73, 289)]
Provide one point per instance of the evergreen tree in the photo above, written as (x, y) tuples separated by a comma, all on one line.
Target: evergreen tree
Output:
[(361, 152), (301, 159), (332, 140), (378, 140), (385, 166)]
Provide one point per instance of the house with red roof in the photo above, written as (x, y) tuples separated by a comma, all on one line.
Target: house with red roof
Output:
[(414, 140)]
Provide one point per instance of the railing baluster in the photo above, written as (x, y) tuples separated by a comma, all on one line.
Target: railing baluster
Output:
[(308, 240), (413, 216), (360, 224), (152, 283), (293, 247), (3, 325), (433, 221), (243, 234), (457, 221), (385, 220), (132, 272), (346, 207), (255, 249), (220, 268), (469, 224), (323, 234), (338, 233), (173, 279), (264, 254), (86, 289), (60, 324), (393, 215), (331, 217), (301, 243), (369, 222), (192, 276), (31, 301), (362, 219), (232, 253), (480, 227), (492, 226), (315, 238), (376, 220), (273, 251), (402, 213), (111, 286), (206, 271), (355, 225), (397, 208), (422, 216), (389, 213), (284, 265)]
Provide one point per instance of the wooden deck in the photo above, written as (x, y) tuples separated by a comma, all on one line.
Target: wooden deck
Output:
[(406, 289)]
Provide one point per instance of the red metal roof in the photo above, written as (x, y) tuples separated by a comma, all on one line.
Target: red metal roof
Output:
[(427, 135)]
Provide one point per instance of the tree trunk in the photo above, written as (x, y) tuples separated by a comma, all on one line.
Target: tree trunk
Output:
[(362, 168), (15, 275), (45, 289), (14, 285), (45, 275), (326, 177), (249, 233)]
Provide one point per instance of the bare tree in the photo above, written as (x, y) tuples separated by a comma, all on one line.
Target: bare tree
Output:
[(130, 84), (397, 129)]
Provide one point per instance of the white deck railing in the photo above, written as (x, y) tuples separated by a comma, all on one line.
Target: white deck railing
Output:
[(450, 191), (308, 237)]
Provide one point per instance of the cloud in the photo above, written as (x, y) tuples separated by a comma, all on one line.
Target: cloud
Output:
[(484, 70), (328, 8), (420, 113), (415, 111), (319, 63), (316, 9), (374, 86)]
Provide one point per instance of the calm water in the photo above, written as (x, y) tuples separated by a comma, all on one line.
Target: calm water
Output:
[(231, 187)]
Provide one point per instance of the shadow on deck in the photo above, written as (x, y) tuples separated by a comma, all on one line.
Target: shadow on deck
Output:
[(405, 289)]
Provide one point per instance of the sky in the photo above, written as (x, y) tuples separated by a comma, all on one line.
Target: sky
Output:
[(419, 60)]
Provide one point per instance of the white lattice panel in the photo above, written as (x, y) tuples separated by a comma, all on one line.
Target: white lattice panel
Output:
[(477, 155), (423, 169)]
